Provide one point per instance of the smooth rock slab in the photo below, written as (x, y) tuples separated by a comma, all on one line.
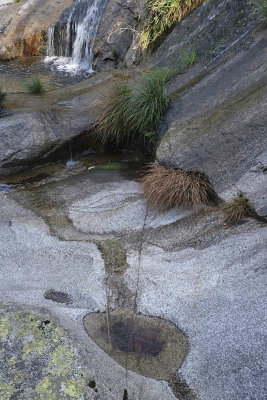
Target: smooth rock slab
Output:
[(219, 125), (216, 295)]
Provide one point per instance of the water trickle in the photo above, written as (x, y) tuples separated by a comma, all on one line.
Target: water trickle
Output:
[(71, 38), (71, 163)]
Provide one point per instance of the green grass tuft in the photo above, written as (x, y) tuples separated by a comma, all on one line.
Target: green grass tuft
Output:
[(187, 57), (35, 85), (132, 110)]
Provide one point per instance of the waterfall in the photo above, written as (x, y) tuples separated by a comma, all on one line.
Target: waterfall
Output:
[(71, 38)]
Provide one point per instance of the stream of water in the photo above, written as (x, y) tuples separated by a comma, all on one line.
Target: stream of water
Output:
[(71, 38)]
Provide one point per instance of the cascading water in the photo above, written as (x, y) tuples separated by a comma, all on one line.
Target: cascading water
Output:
[(71, 38)]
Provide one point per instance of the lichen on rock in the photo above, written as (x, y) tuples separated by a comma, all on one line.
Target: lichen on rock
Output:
[(37, 360)]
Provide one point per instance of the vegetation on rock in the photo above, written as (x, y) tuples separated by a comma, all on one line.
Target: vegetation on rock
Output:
[(35, 85), (132, 110), (239, 208), (161, 16), (187, 57), (166, 188)]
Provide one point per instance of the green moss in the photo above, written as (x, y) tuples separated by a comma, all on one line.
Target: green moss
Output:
[(114, 256), (111, 165), (161, 16)]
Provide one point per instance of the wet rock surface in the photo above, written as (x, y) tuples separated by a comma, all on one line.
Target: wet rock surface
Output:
[(40, 125), (59, 297), (116, 32), (186, 269), (149, 346), (211, 29)]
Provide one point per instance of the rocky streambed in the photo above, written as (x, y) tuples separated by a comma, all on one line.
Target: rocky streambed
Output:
[(104, 298), (76, 246)]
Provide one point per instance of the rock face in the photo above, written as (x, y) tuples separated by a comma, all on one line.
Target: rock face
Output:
[(116, 31), (210, 29), (187, 269), (38, 126), (81, 240), (22, 25), (219, 125)]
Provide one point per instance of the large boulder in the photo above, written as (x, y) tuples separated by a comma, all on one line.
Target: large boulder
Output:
[(219, 125), (22, 25)]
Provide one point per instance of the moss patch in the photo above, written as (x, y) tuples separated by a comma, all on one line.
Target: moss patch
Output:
[(160, 18), (108, 166), (114, 256)]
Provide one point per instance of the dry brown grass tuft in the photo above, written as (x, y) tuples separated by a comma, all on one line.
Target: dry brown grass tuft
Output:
[(238, 209), (165, 188)]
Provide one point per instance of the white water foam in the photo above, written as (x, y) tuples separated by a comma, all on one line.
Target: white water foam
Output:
[(71, 38)]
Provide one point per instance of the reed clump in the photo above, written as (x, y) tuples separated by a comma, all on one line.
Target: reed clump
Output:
[(166, 188), (35, 85), (238, 209), (132, 109)]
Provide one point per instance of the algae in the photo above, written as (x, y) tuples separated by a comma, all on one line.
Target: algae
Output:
[(109, 166), (114, 255)]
